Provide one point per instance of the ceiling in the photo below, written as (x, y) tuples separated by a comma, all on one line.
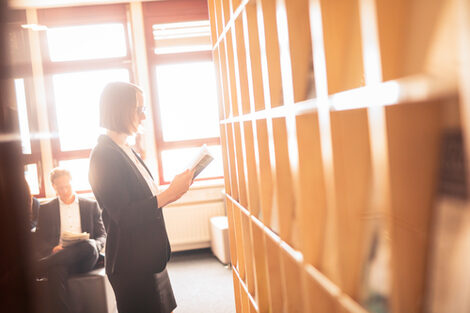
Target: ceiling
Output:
[(61, 3)]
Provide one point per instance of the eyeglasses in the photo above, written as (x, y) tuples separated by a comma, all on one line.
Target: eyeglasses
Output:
[(141, 109)]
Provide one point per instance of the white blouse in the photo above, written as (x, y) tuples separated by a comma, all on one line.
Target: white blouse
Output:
[(143, 171)]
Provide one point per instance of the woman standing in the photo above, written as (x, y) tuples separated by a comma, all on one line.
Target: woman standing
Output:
[(137, 245)]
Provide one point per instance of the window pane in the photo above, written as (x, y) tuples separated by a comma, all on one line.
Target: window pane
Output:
[(77, 98), (31, 176), (23, 116), (182, 37), (188, 101), (86, 42), (79, 170), (175, 161)]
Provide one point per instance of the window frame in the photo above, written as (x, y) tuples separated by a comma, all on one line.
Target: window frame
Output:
[(24, 71), (79, 16), (162, 12)]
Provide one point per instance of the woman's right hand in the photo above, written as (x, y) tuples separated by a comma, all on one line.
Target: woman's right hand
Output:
[(178, 187)]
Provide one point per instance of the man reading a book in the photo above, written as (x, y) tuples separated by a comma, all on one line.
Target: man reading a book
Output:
[(69, 236)]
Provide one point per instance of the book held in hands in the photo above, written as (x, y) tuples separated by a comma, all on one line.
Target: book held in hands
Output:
[(201, 161), (70, 238)]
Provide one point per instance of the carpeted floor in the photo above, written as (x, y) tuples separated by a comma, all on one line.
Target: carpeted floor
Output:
[(201, 283)]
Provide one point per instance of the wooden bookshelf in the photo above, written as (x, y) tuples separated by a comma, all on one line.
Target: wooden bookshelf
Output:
[(331, 117)]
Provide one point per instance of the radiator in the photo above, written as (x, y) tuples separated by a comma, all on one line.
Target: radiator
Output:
[(188, 225)]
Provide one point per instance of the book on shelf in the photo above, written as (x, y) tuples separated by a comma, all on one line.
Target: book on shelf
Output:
[(70, 238), (201, 161)]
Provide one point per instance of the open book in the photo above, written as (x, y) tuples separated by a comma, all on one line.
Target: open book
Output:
[(70, 238), (200, 162)]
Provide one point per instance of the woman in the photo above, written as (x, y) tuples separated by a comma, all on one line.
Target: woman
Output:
[(137, 245)]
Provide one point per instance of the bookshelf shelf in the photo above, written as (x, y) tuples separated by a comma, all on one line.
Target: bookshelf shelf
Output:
[(331, 118)]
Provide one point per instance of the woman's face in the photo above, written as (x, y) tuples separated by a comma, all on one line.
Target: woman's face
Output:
[(139, 114)]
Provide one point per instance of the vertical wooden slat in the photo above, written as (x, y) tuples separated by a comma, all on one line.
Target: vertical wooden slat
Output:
[(276, 304), (252, 174), (285, 196), (240, 164), (352, 161), (255, 78), (241, 68), (262, 275), (239, 241), (233, 167), (265, 174), (295, 50), (310, 189), (342, 40), (292, 280), (248, 245), (231, 233), (269, 47)]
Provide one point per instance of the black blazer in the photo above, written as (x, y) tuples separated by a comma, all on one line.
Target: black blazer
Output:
[(47, 234), (137, 238)]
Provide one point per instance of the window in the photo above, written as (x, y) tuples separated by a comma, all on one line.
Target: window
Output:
[(183, 85), (84, 48), (21, 70)]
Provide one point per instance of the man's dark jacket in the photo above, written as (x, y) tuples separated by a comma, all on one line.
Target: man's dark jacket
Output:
[(47, 234)]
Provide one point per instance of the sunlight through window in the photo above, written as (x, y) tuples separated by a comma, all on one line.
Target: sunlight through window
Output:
[(175, 161), (77, 98), (31, 176), (188, 100), (79, 170), (23, 116), (86, 42)]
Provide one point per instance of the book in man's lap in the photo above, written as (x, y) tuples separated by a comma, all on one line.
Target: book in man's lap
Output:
[(71, 238)]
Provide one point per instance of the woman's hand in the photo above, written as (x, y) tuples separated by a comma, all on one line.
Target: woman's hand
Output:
[(178, 187)]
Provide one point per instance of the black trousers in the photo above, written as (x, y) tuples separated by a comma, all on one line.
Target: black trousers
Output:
[(138, 292), (57, 267)]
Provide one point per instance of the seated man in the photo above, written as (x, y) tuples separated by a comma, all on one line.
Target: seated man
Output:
[(67, 213)]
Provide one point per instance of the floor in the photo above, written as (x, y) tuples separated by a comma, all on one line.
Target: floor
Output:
[(201, 283)]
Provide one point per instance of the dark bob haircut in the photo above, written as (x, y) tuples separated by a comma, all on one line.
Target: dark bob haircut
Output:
[(117, 106)]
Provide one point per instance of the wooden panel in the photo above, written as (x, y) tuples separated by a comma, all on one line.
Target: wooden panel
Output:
[(231, 232), (231, 55), (318, 183), (310, 190), (232, 163), (240, 165), (213, 20), (347, 305), (295, 50), (224, 77), (241, 68), (292, 280), (239, 242), (245, 301), (285, 196), (274, 269), (343, 45), (248, 247), (321, 294), (250, 24), (352, 163), (236, 290), (225, 158), (261, 271), (265, 175), (252, 173), (226, 11), (414, 133), (407, 31), (270, 52)]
